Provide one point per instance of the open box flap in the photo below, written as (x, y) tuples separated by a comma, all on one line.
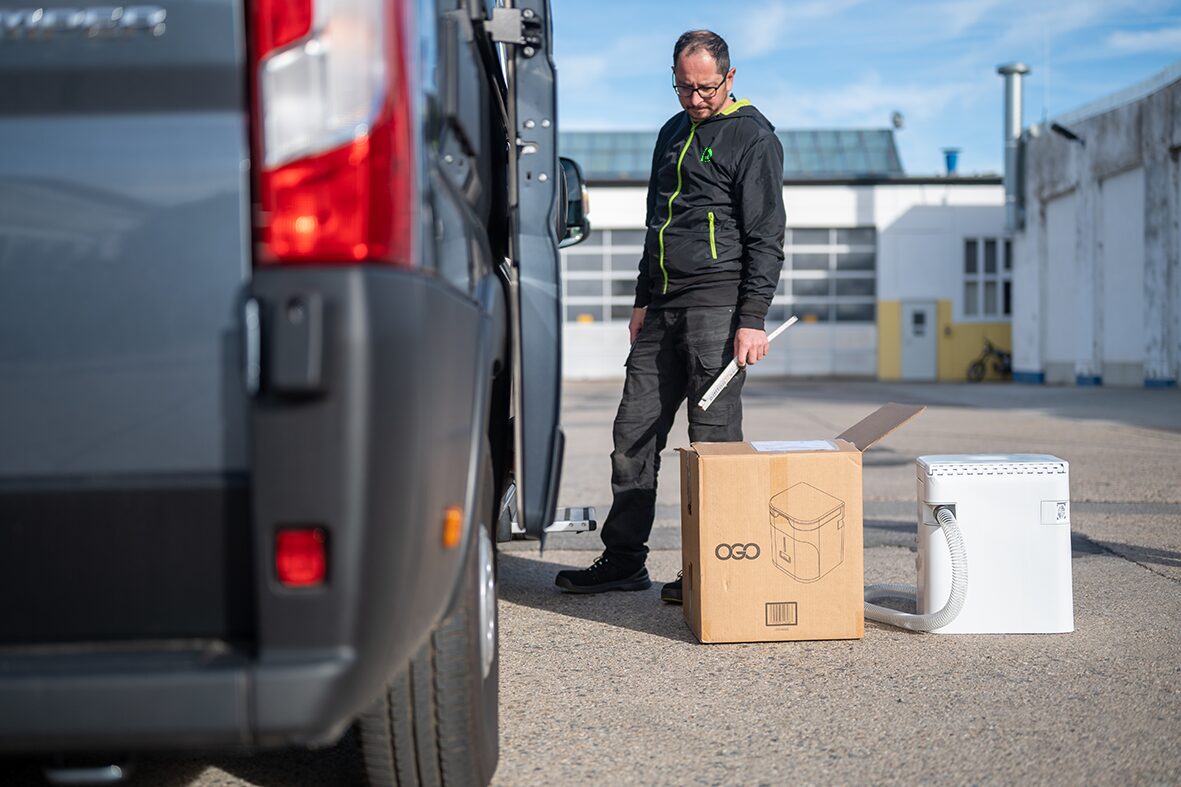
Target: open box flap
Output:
[(880, 423)]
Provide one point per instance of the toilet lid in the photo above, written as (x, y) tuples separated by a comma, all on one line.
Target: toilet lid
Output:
[(807, 507)]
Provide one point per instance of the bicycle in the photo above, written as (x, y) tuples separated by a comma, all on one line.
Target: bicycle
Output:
[(1002, 363)]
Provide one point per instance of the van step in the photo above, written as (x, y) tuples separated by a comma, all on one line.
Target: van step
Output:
[(569, 520), (574, 520)]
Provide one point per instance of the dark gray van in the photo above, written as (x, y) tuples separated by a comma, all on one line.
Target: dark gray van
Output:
[(268, 269)]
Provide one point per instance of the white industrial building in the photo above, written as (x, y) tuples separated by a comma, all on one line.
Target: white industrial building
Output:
[(893, 277), (1096, 276)]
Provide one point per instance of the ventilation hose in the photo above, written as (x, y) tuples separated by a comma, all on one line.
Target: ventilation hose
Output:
[(955, 600)]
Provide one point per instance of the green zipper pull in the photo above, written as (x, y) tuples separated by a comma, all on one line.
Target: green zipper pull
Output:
[(713, 246)]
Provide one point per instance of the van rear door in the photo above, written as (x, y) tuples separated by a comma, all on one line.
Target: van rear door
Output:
[(124, 246)]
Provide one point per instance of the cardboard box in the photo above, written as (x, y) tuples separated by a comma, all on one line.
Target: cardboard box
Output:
[(771, 541)]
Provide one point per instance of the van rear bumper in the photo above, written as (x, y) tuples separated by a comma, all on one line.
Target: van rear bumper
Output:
[(170, 700), (144, 700)]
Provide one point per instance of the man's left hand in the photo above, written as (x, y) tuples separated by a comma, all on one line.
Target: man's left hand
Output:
[(750, 346)]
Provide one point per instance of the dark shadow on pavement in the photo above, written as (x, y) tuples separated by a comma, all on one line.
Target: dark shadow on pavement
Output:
[(335, 766), (888, 533), (893, 527), (530, 583), (1080, 545), (1139, 554)]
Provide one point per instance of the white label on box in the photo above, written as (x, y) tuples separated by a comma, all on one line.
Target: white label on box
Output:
[(792, 446)]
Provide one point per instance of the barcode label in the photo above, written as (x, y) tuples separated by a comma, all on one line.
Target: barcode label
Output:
[(781, 613)]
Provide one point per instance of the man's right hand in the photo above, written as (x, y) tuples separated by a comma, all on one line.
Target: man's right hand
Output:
[(637, 322)]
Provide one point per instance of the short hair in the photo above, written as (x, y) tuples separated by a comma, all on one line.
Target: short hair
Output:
[(704, 41)]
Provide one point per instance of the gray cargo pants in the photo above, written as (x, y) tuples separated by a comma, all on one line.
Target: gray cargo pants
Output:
[(677, 354)]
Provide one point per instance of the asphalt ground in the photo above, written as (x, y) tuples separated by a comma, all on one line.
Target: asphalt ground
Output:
[(614, 689)]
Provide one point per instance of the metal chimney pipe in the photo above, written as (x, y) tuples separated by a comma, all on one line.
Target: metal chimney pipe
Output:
[(1012, 72)]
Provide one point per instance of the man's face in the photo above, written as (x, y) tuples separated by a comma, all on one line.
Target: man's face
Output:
[(700, 70)]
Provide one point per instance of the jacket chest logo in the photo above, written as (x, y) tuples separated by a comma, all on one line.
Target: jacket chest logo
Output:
[(707, 155)]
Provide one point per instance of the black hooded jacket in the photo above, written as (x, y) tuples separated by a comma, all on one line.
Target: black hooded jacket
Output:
[(715, 215)]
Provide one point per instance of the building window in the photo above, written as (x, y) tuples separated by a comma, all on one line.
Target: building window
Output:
[(599, 276), (829, 276), (988, 272)]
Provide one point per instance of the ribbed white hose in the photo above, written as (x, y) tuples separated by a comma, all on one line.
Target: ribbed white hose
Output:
[(955, 601)]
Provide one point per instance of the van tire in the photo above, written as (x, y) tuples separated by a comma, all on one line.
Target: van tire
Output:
[(437, 725)]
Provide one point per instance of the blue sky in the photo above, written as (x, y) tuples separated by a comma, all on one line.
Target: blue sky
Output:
[(850, 63)]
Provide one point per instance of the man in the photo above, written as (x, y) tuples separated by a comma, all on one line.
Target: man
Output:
[(711, 261)]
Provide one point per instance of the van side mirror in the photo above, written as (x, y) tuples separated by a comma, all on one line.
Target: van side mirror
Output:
[(577, 225)]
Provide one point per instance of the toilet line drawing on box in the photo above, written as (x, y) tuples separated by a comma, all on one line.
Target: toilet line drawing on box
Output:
[(807, 532)]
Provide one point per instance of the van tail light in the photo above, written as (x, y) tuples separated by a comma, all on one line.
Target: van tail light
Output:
[(301, 557), (335, 140)]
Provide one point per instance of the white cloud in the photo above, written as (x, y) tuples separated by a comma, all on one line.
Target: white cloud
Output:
[(866, 103), (772, 25), (589, 73), (962, 15), (580, 72), (612, 87), (1164, 40), (1058, 19)]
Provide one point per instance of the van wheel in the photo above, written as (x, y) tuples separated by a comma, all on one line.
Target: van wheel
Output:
[(438, 723)]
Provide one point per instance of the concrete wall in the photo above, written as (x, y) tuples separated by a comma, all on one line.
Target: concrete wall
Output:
[(1097, 281), (1059, 218), (1121, 241)]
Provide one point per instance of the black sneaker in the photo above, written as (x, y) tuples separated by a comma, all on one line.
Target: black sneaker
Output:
[(603, 575), (671, 592)]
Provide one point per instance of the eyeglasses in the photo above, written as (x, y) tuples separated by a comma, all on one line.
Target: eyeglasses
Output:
[(705, 91)]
